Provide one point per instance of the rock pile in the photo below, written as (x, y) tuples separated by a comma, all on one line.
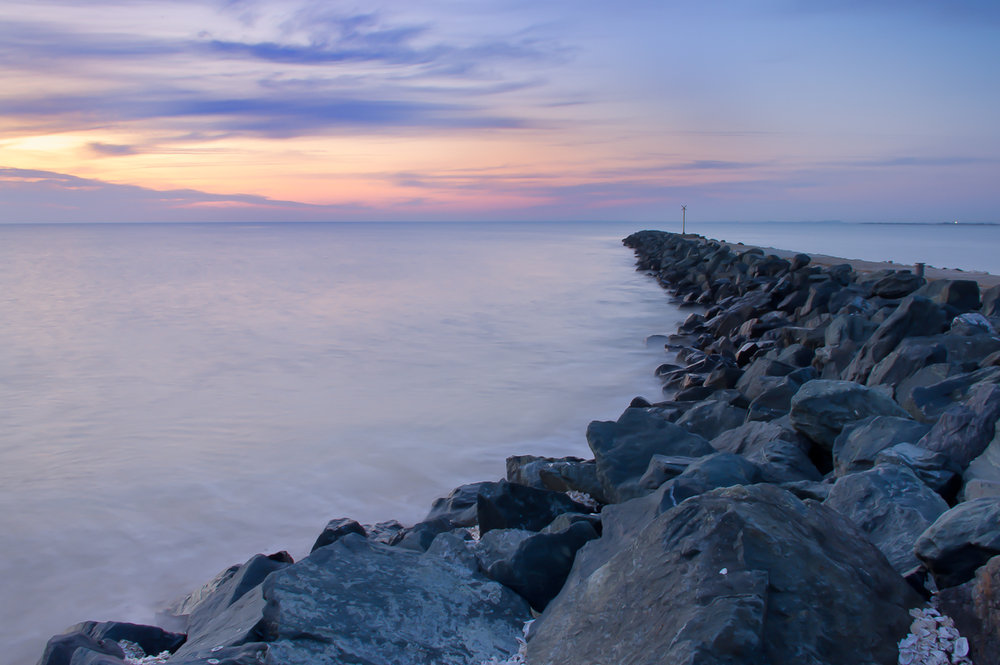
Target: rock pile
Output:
[(825, 453)]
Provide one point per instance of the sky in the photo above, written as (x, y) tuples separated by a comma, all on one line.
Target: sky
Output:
[(329, 110)]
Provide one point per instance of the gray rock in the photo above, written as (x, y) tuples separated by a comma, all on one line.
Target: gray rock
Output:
[(858, 444), (539, 564), (356, 601), (965, 430), (662, 468), (808, 489), (335, 530), (983, 472), (762, 374), (892, 506), (991, 301), (739, 575), (497, 545), (822, 408), (961, 540), (915, 316), (971, 324), (420, 536), (707, 473), (253, 653), (506, 505), (75, 645), (459, 507), (561, 474), (778, 451), (709, 418), (775, 401), (960, 294), (912, 355), (623, 449), (937, 470), (927, 403), (897, 284), (975, 608)]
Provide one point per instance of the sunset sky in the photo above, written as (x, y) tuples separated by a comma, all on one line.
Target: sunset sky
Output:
[(301, 110)]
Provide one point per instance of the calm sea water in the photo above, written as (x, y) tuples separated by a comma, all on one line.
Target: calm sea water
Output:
[(178, 398)]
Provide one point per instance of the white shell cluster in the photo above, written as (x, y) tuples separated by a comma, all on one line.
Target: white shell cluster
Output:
[(933, 640), (583, 498)]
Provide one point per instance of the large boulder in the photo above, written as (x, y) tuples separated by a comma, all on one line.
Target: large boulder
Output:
[(737, 575), (358, 601), (965, 430), (780, 454), (982, 477), (860, 443), (336, 529), (937, 470), (892, 506), (100, 643), (623, 449), (927, 402), (561, 474), (975, 608), (915, 316), (504, 505), (961, 295), (822, 408), (709, 418), (961, 540), (459, 507), (707, 473)]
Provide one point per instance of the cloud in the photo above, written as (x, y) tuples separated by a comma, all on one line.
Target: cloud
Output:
[(111, 150)]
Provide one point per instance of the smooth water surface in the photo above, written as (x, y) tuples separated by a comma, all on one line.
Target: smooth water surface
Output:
[(178, 398)]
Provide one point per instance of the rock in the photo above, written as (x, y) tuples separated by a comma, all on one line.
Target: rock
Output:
[(929, 402), (971, 323), (775, 401), (563, 474), (358, 601), (623, 449), (799, 261), (975, 608), (459, 507), (960, 294), (246, 654), (202, 606), (74, 646), (335, 530), (892, 506), (707, 473), (898, 284), (965, 430), (712, 417), (961, 540), (539, 564), (506, 505), (991, 301), (762, 374), (662, 468), (420, 536), (916, 316), (778, 451), (983, 472), (808, 489), (937, 470), (912, 355), (737, 575), (497, 545), (387, 533), (858, 444), (821, 408)]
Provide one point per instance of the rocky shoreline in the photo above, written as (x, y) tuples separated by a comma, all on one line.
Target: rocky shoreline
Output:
[(820, 483)]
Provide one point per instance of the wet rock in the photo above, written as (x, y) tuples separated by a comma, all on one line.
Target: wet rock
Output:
[(623, 449), (822, 408), (335, 530), (504, 505), (961, 540), (359, 601), (562, 474), (801, 585), (712, 417), (459, 507), (892, 506), (537, 567), (858, 444)]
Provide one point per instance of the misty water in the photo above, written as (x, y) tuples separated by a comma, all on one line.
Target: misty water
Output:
[(178, 398)]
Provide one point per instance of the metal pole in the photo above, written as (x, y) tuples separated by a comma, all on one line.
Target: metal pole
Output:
[(683, 219)]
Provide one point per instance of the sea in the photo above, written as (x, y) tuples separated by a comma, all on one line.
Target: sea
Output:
[(175, 398)]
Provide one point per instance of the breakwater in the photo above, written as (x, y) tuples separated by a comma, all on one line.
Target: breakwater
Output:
[(822, 458)]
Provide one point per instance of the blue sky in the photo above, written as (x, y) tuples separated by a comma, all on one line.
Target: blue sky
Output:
[(260, 110)]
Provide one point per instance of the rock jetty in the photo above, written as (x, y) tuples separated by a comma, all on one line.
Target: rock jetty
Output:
[(818, 484)]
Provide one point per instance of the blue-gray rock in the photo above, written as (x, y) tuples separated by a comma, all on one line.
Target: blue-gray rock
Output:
[(74, 646), (971, 324), (356, 601), (928, 402), (915, 316), (761, 374), (662, 468), (459, 506), (961, 295), (910, 356), (897, 284), (707, 473), (623, 449), (777, 450), (336, 529), (504, 505), (822, 408), (420, 536), (991, 301), (538, 565), (965, 430), (709, 418), (975, 608), (858, 444), (253, 653), (497, 545), (738, 575), (560, 474), (891, 505), (937, 470), (961, 540)]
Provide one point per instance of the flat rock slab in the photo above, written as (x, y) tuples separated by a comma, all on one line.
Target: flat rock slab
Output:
[(746, 575), (357, 601)]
